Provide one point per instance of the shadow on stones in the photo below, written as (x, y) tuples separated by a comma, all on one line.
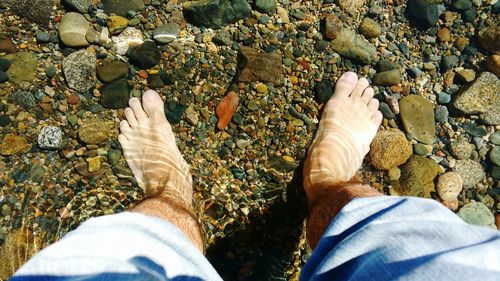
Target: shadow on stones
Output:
[(264, 250)]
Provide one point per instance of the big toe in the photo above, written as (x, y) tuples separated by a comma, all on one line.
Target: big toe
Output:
[(345, 85), (153, 104)]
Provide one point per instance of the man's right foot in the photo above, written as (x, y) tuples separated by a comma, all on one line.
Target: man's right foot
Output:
[(348, 125)]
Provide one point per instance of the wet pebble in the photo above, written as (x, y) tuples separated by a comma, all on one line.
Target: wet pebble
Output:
[(50, 137)]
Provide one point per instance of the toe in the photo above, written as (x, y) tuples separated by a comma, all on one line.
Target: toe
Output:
[(153, 104), (377, 118), (360, 88), (136, 106), (123, 140), (367, 95), (125, 128), (129, 114), (345, 84), (373, 105)]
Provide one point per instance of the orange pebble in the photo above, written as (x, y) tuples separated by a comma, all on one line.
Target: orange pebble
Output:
[(226, 109), (143, 74)]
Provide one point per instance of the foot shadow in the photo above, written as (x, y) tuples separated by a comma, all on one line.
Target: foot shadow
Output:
[(264, 250)]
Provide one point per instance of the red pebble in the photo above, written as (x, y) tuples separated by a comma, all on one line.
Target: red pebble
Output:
[(226, 109), (73, 99)]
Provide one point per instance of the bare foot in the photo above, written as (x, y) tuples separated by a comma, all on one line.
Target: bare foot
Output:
[(348, 125), (149, 147)]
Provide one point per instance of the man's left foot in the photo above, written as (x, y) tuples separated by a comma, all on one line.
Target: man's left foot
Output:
[(149, 147)]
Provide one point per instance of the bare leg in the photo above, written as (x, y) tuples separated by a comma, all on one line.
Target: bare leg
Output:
[(149, 147), (348, 125)]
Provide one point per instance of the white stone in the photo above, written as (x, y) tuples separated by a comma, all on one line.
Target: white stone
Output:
[(72, 30), (130, 37)]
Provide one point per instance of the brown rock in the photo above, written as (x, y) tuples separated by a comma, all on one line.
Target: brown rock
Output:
[(73, 99), (93, 131), (451, 204), (332, 27), (12, 144), (493, 64), (264, 67), (417, 115), (226, 109), (370, 28), (389, 149), (466, 75), (489, 38), (417, 176), (6, 45), (444, 34)]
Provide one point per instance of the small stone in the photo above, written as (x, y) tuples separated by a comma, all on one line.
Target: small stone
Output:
[(116, 94), (114, 156), (24, 99), (449, 62), (80, 70), (462, 5), (265, 6), (449, 186), (223, 38), (117, 24), (351, 6), (394, 174), (444, 98), (93, 131), (370, 28), (147, 55), (4, 64), (42, 37), (23, 67), (324, 91), (461, 149), (495, 173), (387, 78), (264, 67), (384, 65), (482, 97), (444, 35), (478, 214), (112, 71), (469, 15), (470, 171), (495, 155), (261, 88), (389, 149), (466, 75), (4, 77), (417, 115), (353, 46), (94, 164), (422, 149), (493, 64), (417, 176), (6, 44), (441, 113), (166, 33), (489, 38), (129, 38), (81, 6), (333, 26), (216, 13), (12, 144), (424, 14), (72, 30), (122, 7), (226, 109), (50, 137), (495, 138), (386, 111)]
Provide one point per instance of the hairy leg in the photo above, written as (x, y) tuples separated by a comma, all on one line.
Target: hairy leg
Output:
[(348, 125), (149, 147)]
